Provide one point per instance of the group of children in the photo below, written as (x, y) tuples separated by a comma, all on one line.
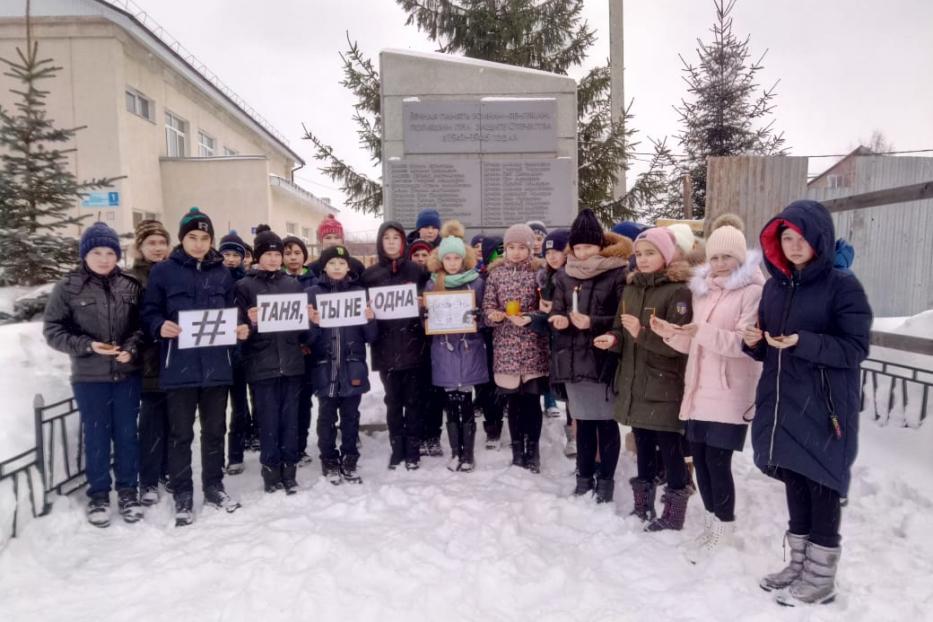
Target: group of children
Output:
[(644, 326)]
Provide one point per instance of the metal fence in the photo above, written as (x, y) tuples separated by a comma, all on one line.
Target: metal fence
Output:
[(894, 392)]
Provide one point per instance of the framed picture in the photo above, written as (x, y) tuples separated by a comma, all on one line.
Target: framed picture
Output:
[(450, 312)]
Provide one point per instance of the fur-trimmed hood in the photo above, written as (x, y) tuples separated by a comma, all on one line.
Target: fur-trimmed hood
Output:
[(532, 264), (614, 245), (747, 274), (679, 271)]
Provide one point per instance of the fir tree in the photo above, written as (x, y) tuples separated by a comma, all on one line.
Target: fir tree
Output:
[(549, 35), (38, 191), (727, 112)]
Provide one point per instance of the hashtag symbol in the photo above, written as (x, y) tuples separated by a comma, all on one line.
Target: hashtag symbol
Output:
[(216, 324)]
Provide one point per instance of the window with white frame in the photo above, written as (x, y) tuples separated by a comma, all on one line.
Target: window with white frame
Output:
[(139, 104), (291, 228), (176, 130), (306, 233), (230, 152), (207, 144)]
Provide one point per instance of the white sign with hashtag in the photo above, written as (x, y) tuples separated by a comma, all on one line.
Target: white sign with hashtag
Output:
[(207, 327)]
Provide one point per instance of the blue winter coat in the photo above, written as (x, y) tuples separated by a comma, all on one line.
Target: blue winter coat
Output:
[(338, 355), (808, 395), (182, 283), (459, 360)]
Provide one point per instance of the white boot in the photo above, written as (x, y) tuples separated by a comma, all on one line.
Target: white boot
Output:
[(721, 536), (700, 540)]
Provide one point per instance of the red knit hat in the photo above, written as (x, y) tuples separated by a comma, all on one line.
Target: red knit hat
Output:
[(329, 226)]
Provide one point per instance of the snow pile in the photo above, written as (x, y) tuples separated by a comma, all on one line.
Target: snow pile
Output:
[(497, 544)]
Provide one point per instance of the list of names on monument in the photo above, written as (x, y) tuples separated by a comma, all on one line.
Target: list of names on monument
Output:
[(450, 186), (520, 190)]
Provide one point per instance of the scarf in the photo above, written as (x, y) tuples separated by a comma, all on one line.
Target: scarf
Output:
[(453, 281), (594, 266)]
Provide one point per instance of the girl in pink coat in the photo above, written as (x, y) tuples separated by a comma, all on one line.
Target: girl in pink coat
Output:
[(720, 380)]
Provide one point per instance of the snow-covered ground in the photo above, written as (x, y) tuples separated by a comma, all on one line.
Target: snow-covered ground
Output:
[(497, 544)]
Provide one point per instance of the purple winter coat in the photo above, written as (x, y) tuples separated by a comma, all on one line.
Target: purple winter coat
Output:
[(459, 360)]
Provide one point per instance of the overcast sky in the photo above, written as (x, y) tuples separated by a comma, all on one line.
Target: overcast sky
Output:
[(846, 67)]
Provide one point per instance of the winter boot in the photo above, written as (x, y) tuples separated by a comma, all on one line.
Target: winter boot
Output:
[(150, 495), (289, 481), (130, 508), (643, 492), (518, 453), (816, 585), (412, 453), (798, 553), (271, 478), (348, 469), (584, 486), (184, 509), (570, 446), (434, 447), (720, 535), (675, 510), (493, 434), (98, 511), (700, 540), (453, 435), (467, 441), (217, 497), (604, 490), (532, 455), (397, 444), (330, 467), (304, 459)]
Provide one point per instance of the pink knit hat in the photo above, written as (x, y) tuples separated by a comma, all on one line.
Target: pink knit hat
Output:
[(727, 240), (520, 234), (660, 238)]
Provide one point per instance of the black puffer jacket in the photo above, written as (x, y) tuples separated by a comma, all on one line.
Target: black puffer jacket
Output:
[(148, 348), (401, 344), (269, 355), (85, 307), (573, 357)]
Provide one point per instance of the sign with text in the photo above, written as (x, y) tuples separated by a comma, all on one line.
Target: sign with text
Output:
[(342, 309), (394, 302), (206, 328), (450, 312), (281, 312)]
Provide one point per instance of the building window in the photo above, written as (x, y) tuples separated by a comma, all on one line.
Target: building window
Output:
[(138, 217), (176, 129), (306, 233), (837, 181), (206, 145), (230, 152), (140, 105), (291, 228)]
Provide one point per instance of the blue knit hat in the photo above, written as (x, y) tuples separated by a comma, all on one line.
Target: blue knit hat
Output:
[(556, 240), (451, 245), (99, 235), (629, 229), (428, 218), (233, 242)]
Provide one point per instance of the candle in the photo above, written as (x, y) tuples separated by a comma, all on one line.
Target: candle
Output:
[(576, 307), (513, 308)]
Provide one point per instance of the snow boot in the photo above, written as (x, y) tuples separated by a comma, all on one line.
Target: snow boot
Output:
[(720, 535), (695, 544), (149, 496), (397, 445), (467, 442), (604, 490), (570, 446), (518, 453), (217, 497), (304, 459), (434, 448), (412, 453), (348, 469), (493, 435), (330, 467), (98, 511), (798, 553), (235, 468), (454, 436), (643, 493), (675, 510), (816, 584), (584, 486), (128, 503), (271, 478), (184, 509), (289, 482), (532, 456)]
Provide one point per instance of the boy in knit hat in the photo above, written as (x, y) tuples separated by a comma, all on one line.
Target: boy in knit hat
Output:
[(196, 380), (274, 366), (233, 250), (152, 246), (540, 231), (93, 316), (339, 373), (427, 227), (419, 251), (329, 234)]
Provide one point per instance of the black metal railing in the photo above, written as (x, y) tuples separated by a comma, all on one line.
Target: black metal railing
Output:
[(888, 387)]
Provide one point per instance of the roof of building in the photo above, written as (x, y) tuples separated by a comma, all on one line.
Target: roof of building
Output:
[(858, 151)]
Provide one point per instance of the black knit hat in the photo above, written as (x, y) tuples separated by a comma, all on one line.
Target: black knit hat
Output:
[(267, 241), (334, 252), (492, 248), (586, 229), (232, 242), (195, 220), (290, 239)]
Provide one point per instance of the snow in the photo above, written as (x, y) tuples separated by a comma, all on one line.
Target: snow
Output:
[(496, 544), (8, 296)]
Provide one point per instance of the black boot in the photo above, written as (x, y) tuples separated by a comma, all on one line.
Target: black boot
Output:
[(453, 435), (467, 462), (412, 452), (289, 482), (604, 490), (584, 486), (518, 453), (271, 478), (348, 469), (517, 436), (532, 455), (330, 467), (397, 443)]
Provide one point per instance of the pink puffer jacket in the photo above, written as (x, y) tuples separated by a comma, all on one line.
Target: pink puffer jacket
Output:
[(720, 380)]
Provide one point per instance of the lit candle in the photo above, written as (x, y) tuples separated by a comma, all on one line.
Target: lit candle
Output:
[(576, 308)]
